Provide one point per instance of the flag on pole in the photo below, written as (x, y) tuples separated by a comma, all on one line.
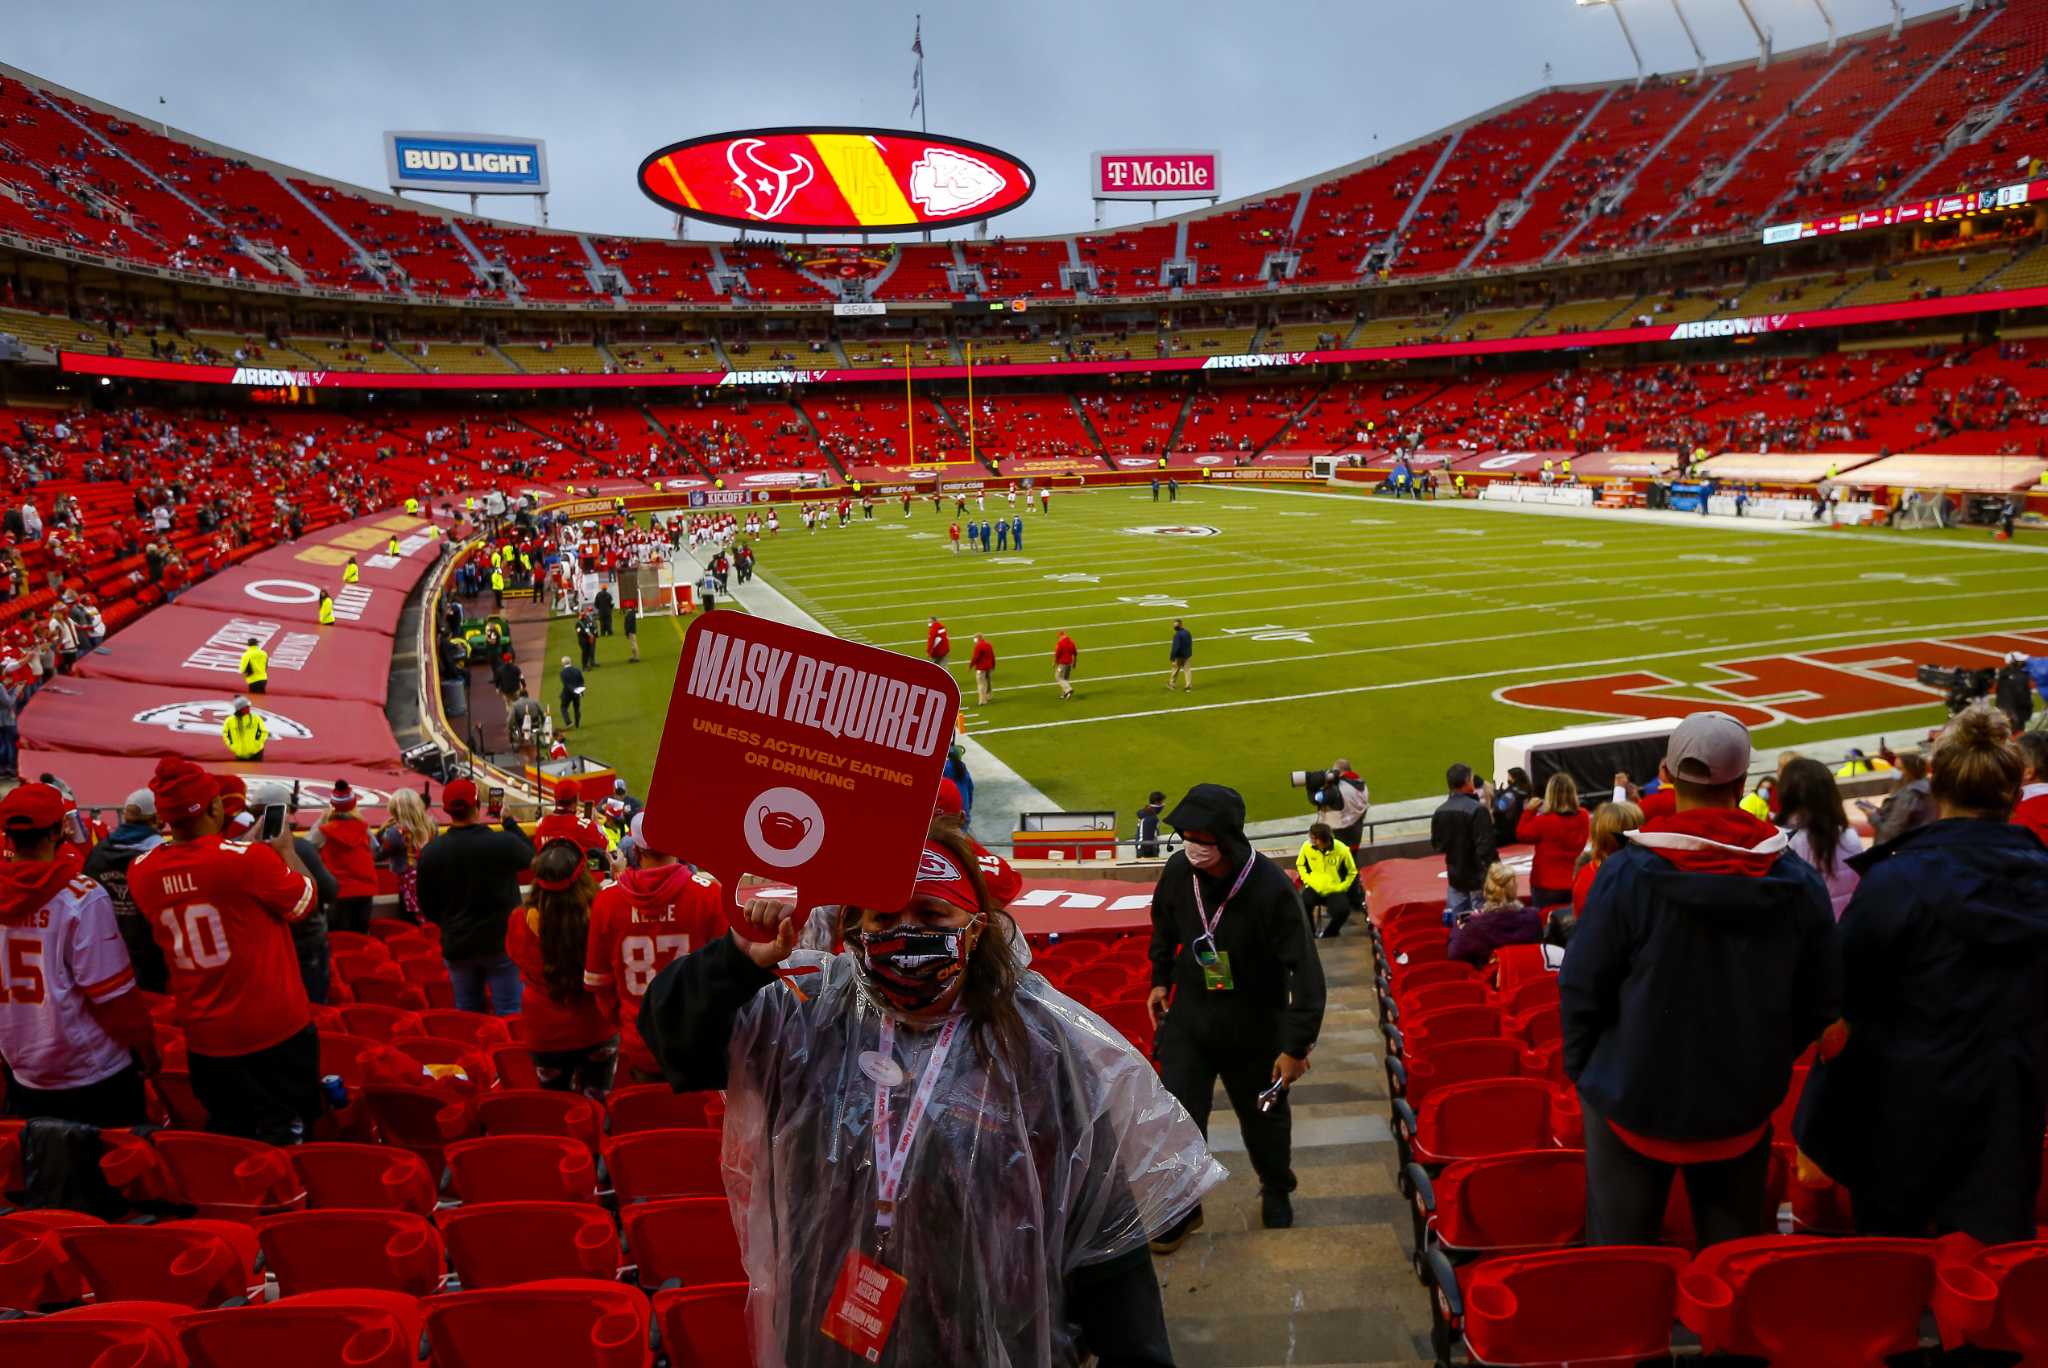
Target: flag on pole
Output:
[(917, 75)]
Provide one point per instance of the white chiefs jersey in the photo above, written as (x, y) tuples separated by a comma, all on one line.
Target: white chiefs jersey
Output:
[(53, 962)]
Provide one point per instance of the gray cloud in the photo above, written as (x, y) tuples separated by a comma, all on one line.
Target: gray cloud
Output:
[(1285, 90)]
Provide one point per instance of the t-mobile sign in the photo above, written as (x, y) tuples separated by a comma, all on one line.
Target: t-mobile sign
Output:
[(1157, 174)]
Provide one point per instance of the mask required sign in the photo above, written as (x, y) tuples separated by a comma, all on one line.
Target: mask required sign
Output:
[(466, 163)]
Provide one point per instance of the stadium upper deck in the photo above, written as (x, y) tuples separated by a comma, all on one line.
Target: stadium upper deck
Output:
[(1953, 101)]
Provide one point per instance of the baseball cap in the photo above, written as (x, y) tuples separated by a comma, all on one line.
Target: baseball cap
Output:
[(31, 807), (1708, 748), (638, 835), (949, 800), (142, 800), (458, 797)]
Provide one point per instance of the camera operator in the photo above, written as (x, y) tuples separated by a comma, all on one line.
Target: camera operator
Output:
[(2014, 691), (1342, 801)]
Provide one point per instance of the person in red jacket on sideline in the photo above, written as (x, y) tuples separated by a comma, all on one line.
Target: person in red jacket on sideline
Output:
[(1064, 654), (938, 643), (2031, 811), (574, 1047), (1557, 826), (639, 923), (344, 841), (566, 823), (984, 663)]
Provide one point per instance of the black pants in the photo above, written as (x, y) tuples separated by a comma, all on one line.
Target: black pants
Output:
[(272, 1095), (309, 941), (572, 710), (1337, 904), (587, 1071), (257, 686), (1190, 1066), (604, 624), (109, 1104), (1626, 1191), (350, 914)]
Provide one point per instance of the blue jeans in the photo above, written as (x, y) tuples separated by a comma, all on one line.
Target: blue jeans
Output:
[(10, 738), (1456, 901), (497, 977)]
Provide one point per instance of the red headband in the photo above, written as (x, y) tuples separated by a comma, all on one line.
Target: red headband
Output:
[(939, 876), (567, 881)]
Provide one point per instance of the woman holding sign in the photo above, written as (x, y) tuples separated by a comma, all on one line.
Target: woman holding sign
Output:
[(933, 1156)]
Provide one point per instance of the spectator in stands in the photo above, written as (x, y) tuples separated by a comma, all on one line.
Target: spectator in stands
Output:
[(1908, 806), (1943, 953), (574, 1046), (222, 914), (1557, 826), (646, 918), (76, 1038), (1705, 917), (343, 839), (1246, 990), (1461, 831), (244, 731), (2031, 811), (1328, 873), (928, 999), (1610, 823), (956, 771), (407, 829), (1502, 919), (469, 884), (309, 933), (1506, 801), (572, 695), (108, 862), (10, 732), (1810, 810), (1148, 825)]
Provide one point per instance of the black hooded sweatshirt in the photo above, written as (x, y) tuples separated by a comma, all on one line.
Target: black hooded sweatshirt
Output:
[(1277, 1002)]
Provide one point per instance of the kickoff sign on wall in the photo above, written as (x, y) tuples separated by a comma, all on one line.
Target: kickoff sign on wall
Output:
[(825, 180), (802, 758), (466, 163), (1156, 174)]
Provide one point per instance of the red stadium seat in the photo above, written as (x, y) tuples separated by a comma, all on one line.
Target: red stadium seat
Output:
[(1534, 1308), (1996, 1300), (356, 943), (1423, 1033), (130, 1334), (1460, 1061), (1795, 1300), (372, 1177), (376, 1022), (1414, 1002), (514, 1066), (688, 1239), (471, 1028), (511, 1168), (1473, 1120), (566, 1321), (423, 1120), (704, 1326), (316, 1251), (229, 1178), (496, 1244), (655, 1106), (1504, 1203), (535, 1111), (357, 1327), (454, 1062), (189, 1263), (173, 1089), (646, 1165), (390, 992), (34, 1269)]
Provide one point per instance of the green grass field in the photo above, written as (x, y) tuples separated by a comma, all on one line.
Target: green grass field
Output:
[(1337, 624)]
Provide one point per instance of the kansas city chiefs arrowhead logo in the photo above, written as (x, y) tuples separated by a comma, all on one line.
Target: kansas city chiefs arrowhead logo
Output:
[(944, 182), (932, 867)]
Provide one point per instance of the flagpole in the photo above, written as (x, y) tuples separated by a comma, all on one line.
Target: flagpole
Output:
[(924, 124)]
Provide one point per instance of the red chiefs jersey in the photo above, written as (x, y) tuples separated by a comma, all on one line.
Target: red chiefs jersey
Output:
[(345, 850), (223, 915), (565, 826), (55, 960), (638, 926)]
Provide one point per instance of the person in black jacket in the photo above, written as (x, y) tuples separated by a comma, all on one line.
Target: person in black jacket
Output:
[(1041, 1148), (2014, 690), (1931, 1112), (1231, 949), (1702, 966), (1461, 830), (468, 886)]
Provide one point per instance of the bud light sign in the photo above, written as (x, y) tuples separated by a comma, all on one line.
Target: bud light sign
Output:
[(825, 180), (1156, 175), (466, 163)]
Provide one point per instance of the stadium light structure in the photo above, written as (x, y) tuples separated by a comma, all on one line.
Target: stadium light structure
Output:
[(1633, 50), (1699, 59), (1829, 20), (1763, 36), (1898, 19)]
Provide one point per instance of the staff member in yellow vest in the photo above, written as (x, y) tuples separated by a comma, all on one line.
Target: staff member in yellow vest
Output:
[(351, 573), (391, 547), (326, 609), (255, 667), (1327, 872), (498, 589), (244, 731), (1549, 470), (412, 505), (1458, 483), (1567, 470)]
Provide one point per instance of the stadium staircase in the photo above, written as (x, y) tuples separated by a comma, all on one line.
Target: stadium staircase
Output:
[(1414, 206), (674, 443), (1609, 200), (1172, 442), (1526, 195), (818, 441)]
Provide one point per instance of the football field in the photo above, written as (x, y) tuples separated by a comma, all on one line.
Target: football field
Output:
[(1401, 635)]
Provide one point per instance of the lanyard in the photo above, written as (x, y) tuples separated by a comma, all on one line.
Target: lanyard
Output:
[(890, 1158), (1209, 923)]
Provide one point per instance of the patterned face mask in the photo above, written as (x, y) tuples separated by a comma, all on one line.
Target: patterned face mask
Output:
[(912, 968)]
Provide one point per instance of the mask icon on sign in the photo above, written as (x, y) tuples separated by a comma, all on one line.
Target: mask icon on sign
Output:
[(783, 830)]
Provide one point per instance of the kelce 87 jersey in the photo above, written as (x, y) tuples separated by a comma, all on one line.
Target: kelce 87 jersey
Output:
[(55, 961), (638, 927), (222, 913)]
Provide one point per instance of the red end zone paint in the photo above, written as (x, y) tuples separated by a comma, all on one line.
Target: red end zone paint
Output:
[(801, 757), (834, 179)]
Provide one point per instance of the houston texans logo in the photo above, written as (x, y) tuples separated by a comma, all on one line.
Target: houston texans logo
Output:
[(758, 180)]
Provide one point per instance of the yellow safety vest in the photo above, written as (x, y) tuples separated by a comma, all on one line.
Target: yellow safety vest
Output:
[(392, 548), (326, 612), (412, 505), (255, 665), (350, 573), (497, 579), (245, 735)]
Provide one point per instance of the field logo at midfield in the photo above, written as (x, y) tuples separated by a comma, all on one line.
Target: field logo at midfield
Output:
[(1173, 530), (1801, 686), (203, 717)]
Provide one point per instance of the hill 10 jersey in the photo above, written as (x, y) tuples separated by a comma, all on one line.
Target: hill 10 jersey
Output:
[(638, 927), (54, 962), (223, 914)]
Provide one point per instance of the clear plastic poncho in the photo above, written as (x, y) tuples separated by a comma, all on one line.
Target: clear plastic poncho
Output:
[(1015, 1179)]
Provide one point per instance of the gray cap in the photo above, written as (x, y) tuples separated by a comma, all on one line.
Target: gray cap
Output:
[(143, 801), (1708, 748)]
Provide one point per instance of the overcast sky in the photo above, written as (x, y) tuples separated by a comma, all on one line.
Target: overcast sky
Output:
[(1284, 89)]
